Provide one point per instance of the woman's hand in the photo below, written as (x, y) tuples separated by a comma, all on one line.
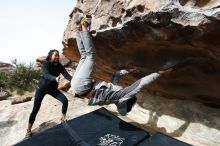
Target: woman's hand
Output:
[(165, 72), (58, 78)]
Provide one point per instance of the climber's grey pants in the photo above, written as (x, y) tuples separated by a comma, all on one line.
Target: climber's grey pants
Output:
[(103, 95), (82, 78)]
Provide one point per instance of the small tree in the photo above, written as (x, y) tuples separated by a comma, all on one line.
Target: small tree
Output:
[(4, 78), (23, 78)]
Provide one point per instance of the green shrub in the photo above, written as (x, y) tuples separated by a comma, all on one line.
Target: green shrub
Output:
[(23, 78), (4, 78)]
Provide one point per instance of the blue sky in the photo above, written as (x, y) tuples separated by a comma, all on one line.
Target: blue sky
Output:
[(30, 28)]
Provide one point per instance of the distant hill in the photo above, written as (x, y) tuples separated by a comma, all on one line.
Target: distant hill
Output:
[(6, 66)]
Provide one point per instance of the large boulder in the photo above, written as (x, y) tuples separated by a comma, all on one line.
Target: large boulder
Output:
[(6, 66), (149, 34), (4, 94), (20, 99)]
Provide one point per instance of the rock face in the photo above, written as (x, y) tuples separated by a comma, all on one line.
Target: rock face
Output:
[(6, 67), (4, 94), (149, 34)]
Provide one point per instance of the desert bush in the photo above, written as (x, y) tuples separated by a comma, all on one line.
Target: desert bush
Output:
[(23, 78)]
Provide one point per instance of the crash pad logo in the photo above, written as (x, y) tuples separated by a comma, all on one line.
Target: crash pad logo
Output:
[(111, 140)]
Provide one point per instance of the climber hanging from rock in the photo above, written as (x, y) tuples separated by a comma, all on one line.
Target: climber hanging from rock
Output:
[(81, 82), (101, 92)]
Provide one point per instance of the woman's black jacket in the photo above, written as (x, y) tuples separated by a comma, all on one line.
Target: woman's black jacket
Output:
[(49, 72)]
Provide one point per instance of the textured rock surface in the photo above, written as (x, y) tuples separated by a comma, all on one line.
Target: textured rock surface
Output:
[(148, 34), (64, 84), (4, 94), (20, 99), (6, 67)]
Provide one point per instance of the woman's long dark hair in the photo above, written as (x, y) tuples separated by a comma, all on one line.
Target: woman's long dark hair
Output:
[(50, 54)]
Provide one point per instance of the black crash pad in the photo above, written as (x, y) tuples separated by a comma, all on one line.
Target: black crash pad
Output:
[(98, 128)]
